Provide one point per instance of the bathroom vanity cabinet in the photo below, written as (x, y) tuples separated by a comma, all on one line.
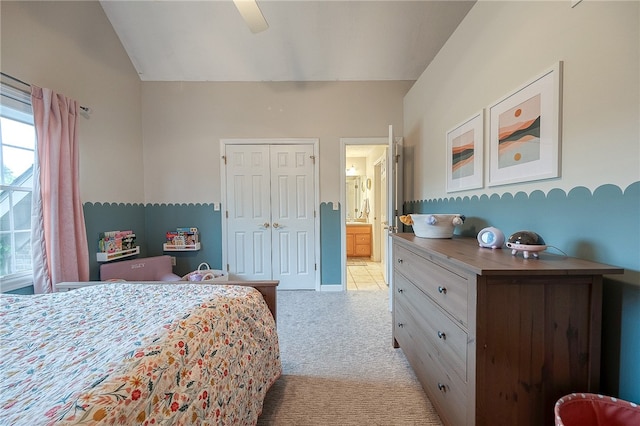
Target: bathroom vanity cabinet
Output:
[(496, 339), (359, 240)]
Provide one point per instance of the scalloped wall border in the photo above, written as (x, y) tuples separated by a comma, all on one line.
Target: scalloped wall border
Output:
[(578, 190), (116, 204)]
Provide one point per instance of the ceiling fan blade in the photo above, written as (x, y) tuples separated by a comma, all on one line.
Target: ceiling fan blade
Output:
[(252, 15)]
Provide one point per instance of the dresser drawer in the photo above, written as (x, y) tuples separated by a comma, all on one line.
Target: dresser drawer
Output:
[(445, 391), (401, 321), (445, 287), (448, 339)]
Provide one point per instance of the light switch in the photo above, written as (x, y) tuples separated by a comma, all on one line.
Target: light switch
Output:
[(216, 207)]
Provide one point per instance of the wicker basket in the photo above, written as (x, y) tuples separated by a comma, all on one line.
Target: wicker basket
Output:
[(204, 274)]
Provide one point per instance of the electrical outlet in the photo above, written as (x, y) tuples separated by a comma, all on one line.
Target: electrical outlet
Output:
[(216, 207), (173, 261)]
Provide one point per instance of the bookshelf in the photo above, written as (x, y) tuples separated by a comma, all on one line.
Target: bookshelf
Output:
[(108, 257), (182, 239), (181, 247), (114, 245)]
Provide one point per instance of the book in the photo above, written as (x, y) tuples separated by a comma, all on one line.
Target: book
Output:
[(182, 236), (114, 241)]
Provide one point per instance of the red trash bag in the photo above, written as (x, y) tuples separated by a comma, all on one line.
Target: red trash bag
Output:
[(588, 409)]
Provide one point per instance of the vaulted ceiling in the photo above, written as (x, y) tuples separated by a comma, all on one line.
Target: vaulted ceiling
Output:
[(305, 41)]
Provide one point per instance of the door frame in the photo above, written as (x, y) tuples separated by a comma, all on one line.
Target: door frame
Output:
[(316, 189), (382, 141)]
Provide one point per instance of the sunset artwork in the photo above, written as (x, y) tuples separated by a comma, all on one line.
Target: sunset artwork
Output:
[(519, 134), (462, 155), (525, 131)]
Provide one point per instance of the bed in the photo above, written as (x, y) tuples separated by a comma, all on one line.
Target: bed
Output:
[(131, 353)]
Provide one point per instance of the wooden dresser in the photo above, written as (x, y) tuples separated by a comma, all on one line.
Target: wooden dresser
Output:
[(496, 339), (359, 240)]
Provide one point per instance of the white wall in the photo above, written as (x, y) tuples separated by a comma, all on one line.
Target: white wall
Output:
[(500, 46), (70, 47), (184, 122)]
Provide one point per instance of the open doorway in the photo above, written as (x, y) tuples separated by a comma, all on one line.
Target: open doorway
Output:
[(364, 221)]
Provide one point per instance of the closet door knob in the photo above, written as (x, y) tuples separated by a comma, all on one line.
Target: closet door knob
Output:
[(266, 224), (275, 225), (400, 290)]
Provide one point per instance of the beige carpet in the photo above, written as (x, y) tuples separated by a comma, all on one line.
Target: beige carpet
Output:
[(339, 367)]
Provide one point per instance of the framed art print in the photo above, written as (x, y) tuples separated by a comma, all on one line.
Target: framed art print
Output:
[(464, 154), (524, 141)]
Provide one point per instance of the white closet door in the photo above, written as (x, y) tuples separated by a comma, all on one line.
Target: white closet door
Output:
[(271, 224), (292, 214), (249, 211)]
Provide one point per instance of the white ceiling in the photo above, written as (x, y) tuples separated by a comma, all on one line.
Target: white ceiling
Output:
[(306, 40)]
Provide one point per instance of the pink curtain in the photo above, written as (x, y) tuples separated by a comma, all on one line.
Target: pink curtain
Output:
[(59, 239)]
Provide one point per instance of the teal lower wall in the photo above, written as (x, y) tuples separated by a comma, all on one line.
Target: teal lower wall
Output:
[(150, 223), (100, 217), (330, 245), (169, 217), (24, 290), (603, 226)]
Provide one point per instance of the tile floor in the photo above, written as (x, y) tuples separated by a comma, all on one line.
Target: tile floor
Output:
[(363, 274)]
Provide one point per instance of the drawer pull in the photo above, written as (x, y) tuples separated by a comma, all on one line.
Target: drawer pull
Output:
[(400, 325), (442, 387), (442, 290), (399, 260), (442, 335), (400, 290)]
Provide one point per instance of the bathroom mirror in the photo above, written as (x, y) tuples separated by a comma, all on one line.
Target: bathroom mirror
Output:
[(354, 195)]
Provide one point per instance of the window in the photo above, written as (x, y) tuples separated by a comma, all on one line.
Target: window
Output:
[(17, 154)]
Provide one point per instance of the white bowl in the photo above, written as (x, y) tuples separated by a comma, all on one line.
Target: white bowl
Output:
[(435, 225)]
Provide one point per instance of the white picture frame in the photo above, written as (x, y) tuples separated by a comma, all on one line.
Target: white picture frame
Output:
[(465, 159), (525, 131)]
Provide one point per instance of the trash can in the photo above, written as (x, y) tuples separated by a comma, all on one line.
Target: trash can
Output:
[(588, 409)]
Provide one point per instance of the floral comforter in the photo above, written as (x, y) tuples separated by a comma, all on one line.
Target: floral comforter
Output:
[(126, 354)]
